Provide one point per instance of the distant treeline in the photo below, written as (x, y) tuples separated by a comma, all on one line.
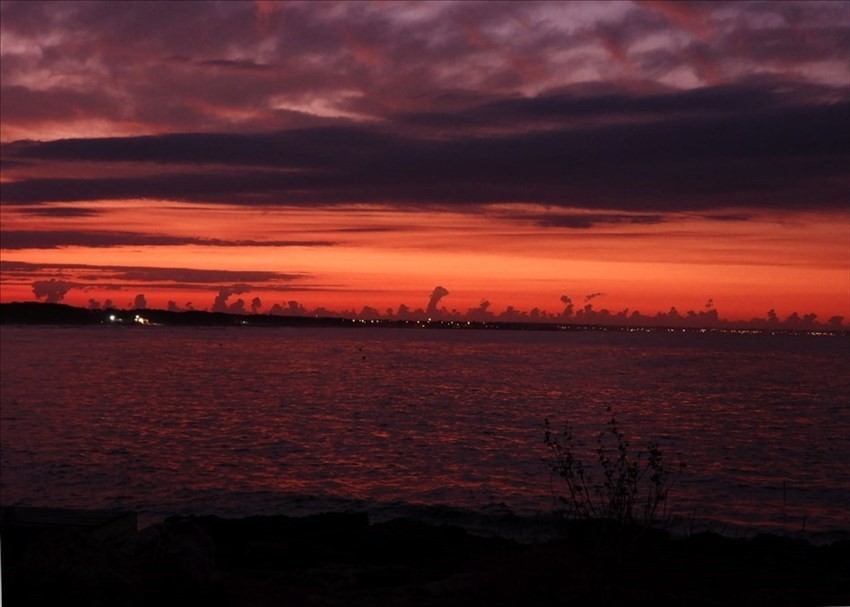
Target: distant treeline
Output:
[(37, 313), (60, 314)]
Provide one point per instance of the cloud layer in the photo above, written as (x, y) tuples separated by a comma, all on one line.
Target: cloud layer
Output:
[(348, 146), (219, 66), (630, 106), (723, 157)]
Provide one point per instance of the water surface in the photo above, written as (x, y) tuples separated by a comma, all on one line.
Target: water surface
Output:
[(238, 421)]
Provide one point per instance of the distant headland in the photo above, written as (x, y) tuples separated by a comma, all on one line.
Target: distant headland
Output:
[(38, 313)]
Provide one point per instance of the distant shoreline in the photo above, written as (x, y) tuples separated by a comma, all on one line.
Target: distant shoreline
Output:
[(38, 313)]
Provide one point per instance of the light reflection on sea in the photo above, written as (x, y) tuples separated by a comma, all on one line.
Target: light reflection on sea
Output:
[(239, 421)]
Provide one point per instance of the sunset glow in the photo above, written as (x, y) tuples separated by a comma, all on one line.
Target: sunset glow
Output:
[(349, 158)]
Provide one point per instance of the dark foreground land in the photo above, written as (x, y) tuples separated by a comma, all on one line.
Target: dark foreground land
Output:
[(342, 559)]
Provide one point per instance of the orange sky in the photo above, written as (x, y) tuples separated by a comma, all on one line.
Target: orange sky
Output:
[(624, 156), (745, 267)]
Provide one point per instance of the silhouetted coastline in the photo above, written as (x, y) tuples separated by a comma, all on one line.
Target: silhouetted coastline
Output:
[(38, 313)]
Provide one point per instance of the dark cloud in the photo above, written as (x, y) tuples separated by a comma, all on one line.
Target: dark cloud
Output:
[(52, 290), (728, 216), (481, 313), (297, 149), (235, 65), (789, 157), (569, 306), (56, 105), (191, 275), (708, 318), (220, 304), (293, 308), (30, 239), (835, 322), (575, 106), (436, 295), (215, 66), (140, 302), (188, 276), (782, 35), (62, 211), (237, 307), (784, 45), (589, 220)]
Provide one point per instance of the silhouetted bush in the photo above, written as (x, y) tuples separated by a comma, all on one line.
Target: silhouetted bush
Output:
[(634, 485)]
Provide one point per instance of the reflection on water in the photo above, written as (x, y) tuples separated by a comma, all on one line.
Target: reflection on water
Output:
[(242, 420)]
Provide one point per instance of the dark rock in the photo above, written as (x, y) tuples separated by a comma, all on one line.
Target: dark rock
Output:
[(339, 559)]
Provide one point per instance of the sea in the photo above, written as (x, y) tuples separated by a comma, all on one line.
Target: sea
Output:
[(436, 424)]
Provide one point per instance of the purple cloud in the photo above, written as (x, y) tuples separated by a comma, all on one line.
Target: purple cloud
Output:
[(220, 303), (779, 158), (52, 290), (31, 239)]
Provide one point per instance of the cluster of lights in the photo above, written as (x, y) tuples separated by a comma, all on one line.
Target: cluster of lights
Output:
[(140, 320)]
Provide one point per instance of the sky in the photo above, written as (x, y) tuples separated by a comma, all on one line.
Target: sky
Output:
[(581, 161)]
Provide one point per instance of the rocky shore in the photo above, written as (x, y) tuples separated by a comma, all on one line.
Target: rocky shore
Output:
[(341, 559)]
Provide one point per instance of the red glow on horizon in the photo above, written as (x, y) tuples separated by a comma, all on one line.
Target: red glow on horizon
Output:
[(382, 259)]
